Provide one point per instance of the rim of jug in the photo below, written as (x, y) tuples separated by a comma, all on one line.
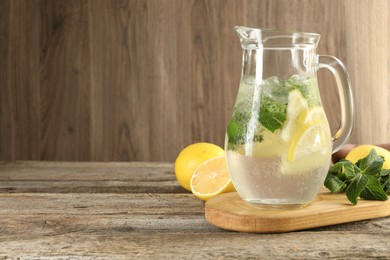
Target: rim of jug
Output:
[(251, 38)]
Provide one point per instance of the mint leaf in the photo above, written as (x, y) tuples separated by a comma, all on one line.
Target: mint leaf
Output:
[(373, 190), (371, 164), (235, 131), (337, 169), (237, 128), (349, 169), (344, 170), (365, 179), (272, 115), (384, 172), (334, 184), (384, 179), (358, 184), (386, 186)]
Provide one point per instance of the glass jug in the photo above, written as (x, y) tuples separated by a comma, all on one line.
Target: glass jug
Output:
[(278, 141)]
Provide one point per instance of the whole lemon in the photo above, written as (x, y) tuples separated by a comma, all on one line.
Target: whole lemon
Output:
[(361, 151), (191, 157)]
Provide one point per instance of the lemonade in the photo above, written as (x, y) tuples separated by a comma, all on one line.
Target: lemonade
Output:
[(278, 141)]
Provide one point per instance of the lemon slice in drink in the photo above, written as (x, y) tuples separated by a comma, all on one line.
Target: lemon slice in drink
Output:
[(315, 115), (312, 136), (211, 178), (311, 144), (297, 105), (305, 142)]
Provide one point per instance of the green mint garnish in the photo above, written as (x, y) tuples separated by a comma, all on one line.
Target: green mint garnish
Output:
[(365, 179), (373, 190), (355, 188), (334, 183), (272, 115), (384, 179), (371, 164), (237, 129)]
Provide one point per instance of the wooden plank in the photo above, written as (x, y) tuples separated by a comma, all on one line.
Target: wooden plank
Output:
[(122, 71), (91, 187), (84, 171), (112, 225), (65, 80), (20, 135), (6, 121), (84, 208), (149, 224), (199, 246), (372, 123), (83, 177), (100, 204)]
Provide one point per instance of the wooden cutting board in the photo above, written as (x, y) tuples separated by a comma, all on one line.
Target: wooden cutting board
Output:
[(229, 211)]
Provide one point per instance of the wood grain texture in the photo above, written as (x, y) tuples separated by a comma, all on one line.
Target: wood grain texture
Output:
[(20, 82), (101, 223), (65, 80), (70, 177), (138, 80), (157, 226), (372, 90), (230, 212)]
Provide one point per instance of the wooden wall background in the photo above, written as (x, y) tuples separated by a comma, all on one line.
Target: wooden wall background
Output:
[(119, 80)]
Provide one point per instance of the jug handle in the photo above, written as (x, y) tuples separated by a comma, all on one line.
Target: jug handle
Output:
[(346, 99)]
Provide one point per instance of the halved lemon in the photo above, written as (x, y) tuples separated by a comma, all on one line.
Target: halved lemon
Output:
[(191, 157), (211, 178)]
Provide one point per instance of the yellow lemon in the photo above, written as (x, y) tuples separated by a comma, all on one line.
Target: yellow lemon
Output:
[(312, 134), (191, 157), (211, 178), (315, 115), (297, 105), (362, 151), (307, 141)]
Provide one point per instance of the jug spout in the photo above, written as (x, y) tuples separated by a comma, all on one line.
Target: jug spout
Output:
[(256, 38), (249, 37)]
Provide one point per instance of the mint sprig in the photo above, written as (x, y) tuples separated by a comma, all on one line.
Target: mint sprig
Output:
[(365, 179), (272, 115)]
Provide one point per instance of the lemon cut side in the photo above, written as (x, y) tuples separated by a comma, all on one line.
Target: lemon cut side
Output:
[(191, 157), (211, 178)]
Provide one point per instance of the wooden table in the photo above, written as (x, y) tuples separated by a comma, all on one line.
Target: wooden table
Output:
[(138, 210)]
